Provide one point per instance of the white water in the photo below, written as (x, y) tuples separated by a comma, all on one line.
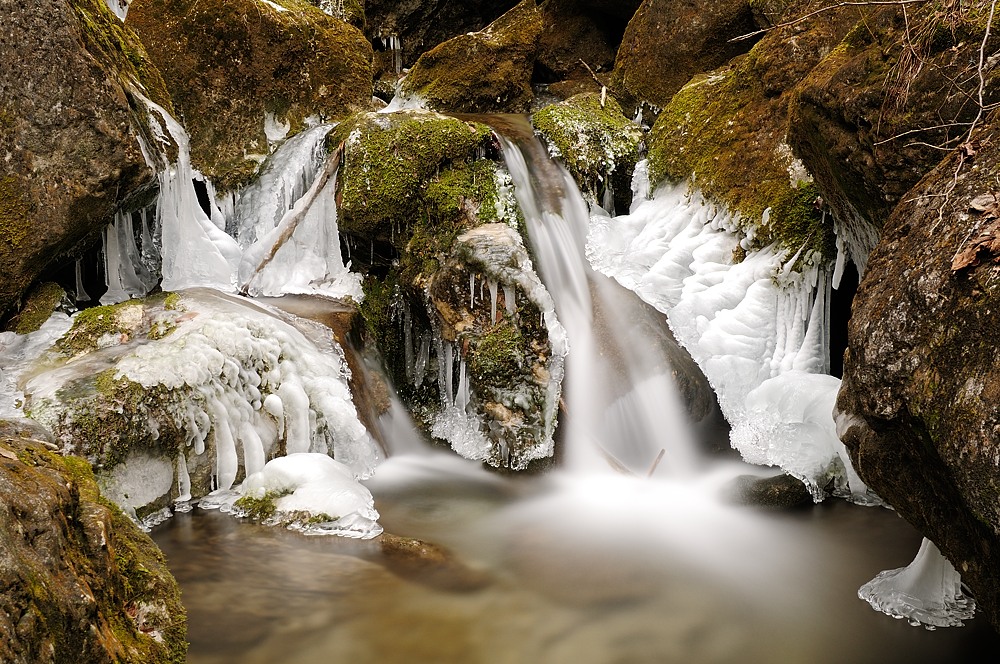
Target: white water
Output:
[(557, 218)]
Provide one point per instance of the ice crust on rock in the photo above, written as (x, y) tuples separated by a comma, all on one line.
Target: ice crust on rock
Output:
[(746, 323)]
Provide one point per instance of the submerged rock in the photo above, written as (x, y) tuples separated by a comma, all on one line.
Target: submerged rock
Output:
[(81, 582), (244, 74), (780, 492), (482, 72), (66, 131), (917, 408)]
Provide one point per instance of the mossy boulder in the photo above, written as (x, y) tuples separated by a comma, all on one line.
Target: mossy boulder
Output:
[(874, 116), (389, 163), (669, 41), (488, 71), (82, 583), (596, 142), (420, 25), (242, 74), (727, 131), (67, 131), (918, 404)]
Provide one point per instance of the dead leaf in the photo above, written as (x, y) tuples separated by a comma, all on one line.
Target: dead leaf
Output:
[(7, 454), (985, 246), (983, 202)]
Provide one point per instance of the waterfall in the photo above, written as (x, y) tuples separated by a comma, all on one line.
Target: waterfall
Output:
[(616, 416)]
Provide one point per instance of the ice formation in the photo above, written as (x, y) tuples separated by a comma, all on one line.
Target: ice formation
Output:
[(498, 253), (927, 592), (320, 488), (240, 380), (745, 323)]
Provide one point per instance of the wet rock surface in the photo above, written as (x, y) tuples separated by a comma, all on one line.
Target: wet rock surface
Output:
[(81, 582)]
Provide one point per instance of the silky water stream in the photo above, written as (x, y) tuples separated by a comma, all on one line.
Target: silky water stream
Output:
[(625, 553)]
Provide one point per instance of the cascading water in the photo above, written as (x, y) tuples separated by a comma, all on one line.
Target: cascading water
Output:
[(632, 427)]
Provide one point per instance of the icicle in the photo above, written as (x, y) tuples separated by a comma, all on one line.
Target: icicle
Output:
[(183, 480), (112, 273), (409, 360), (226, 461), (472, 290), (608, 200), (462, 398), (509, 299), (838, 270), (423, 358), (449, 368), (81, 293), (493, 300)]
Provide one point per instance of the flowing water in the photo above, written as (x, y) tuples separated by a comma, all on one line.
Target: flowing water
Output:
[(584, 564)]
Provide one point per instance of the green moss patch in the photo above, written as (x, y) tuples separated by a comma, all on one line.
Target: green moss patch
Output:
[(40, 303)]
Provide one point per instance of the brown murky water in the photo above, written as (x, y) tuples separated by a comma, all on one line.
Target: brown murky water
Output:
[(561, 580)]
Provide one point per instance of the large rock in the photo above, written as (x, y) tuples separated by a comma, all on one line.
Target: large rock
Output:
[(66, 137), (727, 132), (242, 73), (921, 382), (81, 582), (488, 71), (873, 117), (420, 25), (669, 41)]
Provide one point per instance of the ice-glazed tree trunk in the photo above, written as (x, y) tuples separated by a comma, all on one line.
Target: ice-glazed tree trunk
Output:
[(927, 592)]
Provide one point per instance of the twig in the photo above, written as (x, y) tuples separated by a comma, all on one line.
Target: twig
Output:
[(656, 462), (290, 221)]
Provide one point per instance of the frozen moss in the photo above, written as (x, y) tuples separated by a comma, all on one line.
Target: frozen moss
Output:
[(39, 305)]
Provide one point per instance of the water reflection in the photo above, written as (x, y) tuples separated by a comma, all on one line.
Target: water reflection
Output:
[(561, 574)]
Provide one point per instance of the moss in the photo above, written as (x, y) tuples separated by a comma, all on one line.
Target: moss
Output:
[(41, 303), (172, 301), (594, 141), (16, 211), (117, 45), (388, 162), (259, 509), (228, 63), (482, 72), (498, 357), (95, 323), (725, 131)]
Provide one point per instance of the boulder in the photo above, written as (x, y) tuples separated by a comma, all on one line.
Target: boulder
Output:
[(81, 582), (669, 41), (244, 74), (66, 131), (489, 71), (874, 116), (727, 131), (917, 407)]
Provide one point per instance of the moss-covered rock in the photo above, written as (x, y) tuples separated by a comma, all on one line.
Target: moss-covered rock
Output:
[(576, 41), (669, 41), (87, 585), (596, 142), (389, 163), (39, 305), (874, 116), (482, 72), (727, 131), (67, 131), (242, 73)]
